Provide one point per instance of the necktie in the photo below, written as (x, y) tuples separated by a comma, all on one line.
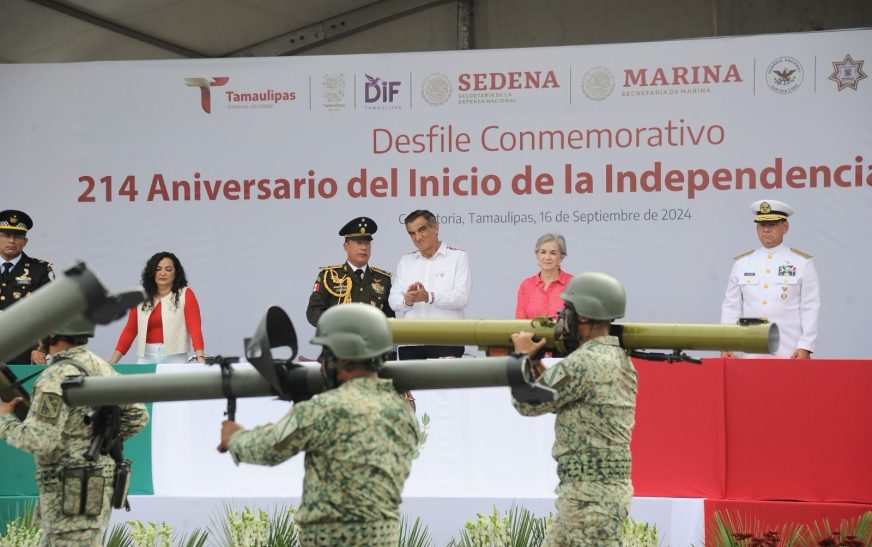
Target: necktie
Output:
[(7, 267), (359, 273)]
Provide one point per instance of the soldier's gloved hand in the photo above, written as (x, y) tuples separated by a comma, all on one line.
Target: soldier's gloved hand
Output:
[(8, 408)]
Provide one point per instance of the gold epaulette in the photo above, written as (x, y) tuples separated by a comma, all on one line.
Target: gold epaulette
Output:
[(803, 254), (746, 253), (333, 267), (379, 270)]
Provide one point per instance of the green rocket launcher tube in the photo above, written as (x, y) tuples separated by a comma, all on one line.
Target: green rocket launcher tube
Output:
[(492, 333)]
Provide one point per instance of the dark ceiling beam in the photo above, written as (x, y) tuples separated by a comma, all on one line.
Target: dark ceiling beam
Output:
[(115, 27), (348, 23)]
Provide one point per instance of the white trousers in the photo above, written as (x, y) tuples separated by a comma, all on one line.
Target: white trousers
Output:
[(156, 354)]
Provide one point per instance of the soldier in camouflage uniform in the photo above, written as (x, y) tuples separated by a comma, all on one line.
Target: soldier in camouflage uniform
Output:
[(595, 408), (359, 436), (59, 438)]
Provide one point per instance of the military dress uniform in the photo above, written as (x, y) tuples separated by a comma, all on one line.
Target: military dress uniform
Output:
[(27, 275), (340, 284), (779, 284), (595, 408), (58, 437), (359, 439)]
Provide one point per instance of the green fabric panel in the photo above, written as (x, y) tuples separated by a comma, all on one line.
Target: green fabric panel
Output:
[(138, 448), (18, 469)]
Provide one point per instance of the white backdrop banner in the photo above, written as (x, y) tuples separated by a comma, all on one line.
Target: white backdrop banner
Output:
[(645, 156)]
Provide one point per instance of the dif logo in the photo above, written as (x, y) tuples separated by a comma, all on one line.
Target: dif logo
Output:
[(376, 90)]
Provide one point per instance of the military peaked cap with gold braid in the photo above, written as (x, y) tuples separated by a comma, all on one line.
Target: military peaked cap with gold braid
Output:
[(770, 210), (360, 228), (15, 222)]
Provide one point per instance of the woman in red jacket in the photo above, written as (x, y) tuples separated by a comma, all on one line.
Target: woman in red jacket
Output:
[(168, 322)]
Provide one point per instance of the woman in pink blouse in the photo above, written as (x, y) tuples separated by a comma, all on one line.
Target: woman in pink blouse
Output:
[(539, 294)]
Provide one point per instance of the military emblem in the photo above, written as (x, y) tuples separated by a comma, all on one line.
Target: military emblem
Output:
[(765, 208), (784, 75), (49, 408), (13, 220), (555, 376), (436, 89), (847, 73), (598, 83), (378, 288)]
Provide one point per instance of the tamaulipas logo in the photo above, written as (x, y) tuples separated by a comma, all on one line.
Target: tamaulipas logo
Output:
[(205, 84)]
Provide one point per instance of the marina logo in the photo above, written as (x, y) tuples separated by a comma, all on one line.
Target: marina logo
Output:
[(598, 83), (682, 75), (205, 84), (784, 75), (847, 73), (678, 80), (436, 89)]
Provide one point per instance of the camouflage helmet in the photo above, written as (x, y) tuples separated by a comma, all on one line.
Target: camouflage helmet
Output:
[(596, 295), (78, 326), (354, 331)]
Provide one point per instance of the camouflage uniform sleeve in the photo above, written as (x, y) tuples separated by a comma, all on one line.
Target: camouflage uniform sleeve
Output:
[(133, 419), (568, 378), (41, 432), (272, 444)]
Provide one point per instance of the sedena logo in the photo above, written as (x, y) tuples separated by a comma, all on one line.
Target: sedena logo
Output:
[(204, 84)]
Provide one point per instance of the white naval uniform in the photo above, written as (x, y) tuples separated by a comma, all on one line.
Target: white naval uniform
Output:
[(446, 277), (780, 285)]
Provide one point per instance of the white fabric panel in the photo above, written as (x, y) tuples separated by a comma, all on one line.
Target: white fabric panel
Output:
[(141, 119), (478, 446)]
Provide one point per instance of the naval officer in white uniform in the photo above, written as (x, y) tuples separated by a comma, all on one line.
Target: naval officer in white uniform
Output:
[(777, 283)]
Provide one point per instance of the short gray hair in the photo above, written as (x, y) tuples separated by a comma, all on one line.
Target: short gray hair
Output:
[(561, 242)]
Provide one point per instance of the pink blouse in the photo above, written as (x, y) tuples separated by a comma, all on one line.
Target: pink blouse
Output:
[(534, 300)]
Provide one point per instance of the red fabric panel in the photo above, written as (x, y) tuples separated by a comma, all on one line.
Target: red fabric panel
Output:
[(773, 514), (678, 441), (799, 430)]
